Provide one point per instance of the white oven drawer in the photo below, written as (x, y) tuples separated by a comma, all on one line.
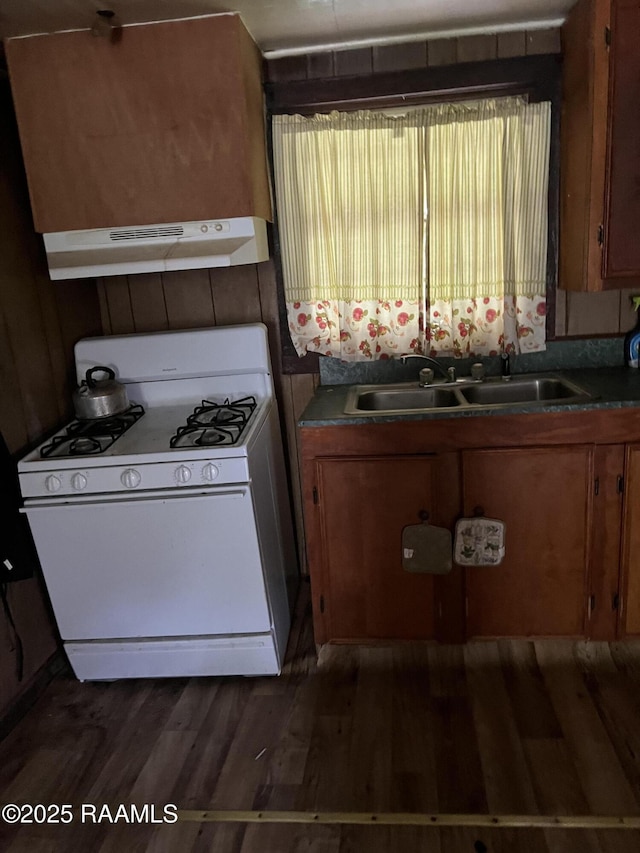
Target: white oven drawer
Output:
[(160, 565)]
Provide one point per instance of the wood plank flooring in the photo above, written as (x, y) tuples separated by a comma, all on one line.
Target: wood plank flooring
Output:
[(474, 737)]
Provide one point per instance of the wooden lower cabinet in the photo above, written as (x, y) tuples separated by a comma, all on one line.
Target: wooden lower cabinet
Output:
[(606, 536), (630, 603), (363, 506), (544, 497), (566, 485)]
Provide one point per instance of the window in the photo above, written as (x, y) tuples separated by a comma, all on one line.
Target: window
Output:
[(420, 233), (407, 280)]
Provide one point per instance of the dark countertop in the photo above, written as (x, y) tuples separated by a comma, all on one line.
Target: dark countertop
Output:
[(610, 387)]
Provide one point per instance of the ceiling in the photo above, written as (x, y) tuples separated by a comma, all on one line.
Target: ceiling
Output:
[(283, 27)]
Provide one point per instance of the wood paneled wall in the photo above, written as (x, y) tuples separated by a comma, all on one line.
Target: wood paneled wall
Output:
[(39, 323), (419, 54)]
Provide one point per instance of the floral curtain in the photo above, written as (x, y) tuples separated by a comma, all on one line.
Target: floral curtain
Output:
[(357, 330), (487, 177), (371, 207), (350, 192)]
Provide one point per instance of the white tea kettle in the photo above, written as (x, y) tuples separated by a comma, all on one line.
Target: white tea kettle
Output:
[(99, 398)]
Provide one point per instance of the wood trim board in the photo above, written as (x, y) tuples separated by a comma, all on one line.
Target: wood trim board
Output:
[(506, 821)]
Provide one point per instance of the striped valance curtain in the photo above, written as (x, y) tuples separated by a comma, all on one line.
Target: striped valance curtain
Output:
[(424, 232), (350, 205)]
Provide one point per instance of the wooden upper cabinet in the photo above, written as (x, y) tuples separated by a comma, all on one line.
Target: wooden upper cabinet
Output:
[(165, 123), (622, 206), (600, 138)]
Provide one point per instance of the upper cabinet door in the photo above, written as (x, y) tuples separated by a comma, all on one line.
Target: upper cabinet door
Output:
[(622, 210), (163, 124), (600, 141), (583, 142)]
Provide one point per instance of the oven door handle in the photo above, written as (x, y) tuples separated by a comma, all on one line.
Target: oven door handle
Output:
[(161, 496)]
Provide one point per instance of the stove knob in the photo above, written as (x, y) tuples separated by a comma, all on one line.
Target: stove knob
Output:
[(78, 482), (183, 474), (53, 483), (130, 478), (210, 472)]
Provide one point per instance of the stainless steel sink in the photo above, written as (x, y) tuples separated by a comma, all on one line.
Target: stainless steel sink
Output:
[(393, 398), (463, 394), (522, 390)]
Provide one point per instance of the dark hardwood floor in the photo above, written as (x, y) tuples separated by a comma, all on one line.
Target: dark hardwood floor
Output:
[(451, 749)]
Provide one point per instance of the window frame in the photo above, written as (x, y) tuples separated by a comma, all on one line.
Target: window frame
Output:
[(537, 77)]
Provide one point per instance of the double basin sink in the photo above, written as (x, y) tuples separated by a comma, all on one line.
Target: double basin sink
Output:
[(463, 394)]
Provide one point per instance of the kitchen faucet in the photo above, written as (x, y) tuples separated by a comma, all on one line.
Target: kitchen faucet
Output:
[(426, 375)]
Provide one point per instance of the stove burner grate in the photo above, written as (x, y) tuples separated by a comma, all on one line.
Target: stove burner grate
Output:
[(213, 424), (89, 438)]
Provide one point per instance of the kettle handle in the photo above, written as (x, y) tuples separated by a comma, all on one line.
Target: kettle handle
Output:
[(91, 382)]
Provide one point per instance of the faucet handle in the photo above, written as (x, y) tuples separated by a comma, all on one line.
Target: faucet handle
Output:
[(425, 377), (477, 370), (505, 362)]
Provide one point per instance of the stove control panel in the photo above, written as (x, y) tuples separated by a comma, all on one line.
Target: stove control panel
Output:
[(188, 474)]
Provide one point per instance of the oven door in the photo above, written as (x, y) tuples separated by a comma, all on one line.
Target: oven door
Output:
[(162, 564)]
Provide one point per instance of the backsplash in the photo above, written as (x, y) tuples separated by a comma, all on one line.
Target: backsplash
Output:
[(559, 355)]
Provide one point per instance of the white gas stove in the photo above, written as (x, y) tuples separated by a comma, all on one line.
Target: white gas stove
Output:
[(164, 534)]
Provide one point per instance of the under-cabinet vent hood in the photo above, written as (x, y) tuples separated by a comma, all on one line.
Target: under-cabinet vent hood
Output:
[(156, 248)]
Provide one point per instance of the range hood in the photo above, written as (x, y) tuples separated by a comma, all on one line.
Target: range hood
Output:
[(156, 248)]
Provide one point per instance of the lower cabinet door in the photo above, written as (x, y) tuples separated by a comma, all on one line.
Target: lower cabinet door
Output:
[(543, 496), (364, 505)]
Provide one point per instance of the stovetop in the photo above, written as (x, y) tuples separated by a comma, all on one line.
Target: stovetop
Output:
[(210, 424), (149, 439)]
